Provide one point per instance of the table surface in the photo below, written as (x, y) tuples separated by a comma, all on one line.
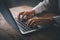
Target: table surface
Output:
[(44, 34)]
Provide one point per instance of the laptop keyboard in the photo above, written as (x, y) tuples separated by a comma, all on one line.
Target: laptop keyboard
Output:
[(22, 26)]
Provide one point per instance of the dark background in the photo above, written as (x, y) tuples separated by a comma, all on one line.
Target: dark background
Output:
[(13, 3)]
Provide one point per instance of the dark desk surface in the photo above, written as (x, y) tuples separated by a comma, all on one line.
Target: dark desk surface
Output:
[(44, 34)]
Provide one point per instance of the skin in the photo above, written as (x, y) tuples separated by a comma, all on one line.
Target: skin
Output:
[(39, 21), (36, 20), (27, 14)]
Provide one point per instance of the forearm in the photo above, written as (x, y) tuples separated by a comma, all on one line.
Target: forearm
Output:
[(41, 6)]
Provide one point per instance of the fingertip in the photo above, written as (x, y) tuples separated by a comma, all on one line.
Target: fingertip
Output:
[(18, 17)]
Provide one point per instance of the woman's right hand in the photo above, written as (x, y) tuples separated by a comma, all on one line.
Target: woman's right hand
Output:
[(25, 15)]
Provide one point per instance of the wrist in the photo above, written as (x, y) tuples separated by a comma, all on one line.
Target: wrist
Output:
[(33, 12)]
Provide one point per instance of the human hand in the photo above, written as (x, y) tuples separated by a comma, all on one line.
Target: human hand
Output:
[(25, 15), (43, 21)]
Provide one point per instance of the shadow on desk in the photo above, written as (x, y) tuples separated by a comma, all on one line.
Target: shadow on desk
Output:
[(44, 34)]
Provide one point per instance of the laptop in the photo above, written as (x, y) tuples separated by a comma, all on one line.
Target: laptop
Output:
[(18, 25)]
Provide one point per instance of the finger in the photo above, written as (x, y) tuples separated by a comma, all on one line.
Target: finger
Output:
[(32, 23), (19, 15), (28, 22), (26, 17), (23, 16)]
